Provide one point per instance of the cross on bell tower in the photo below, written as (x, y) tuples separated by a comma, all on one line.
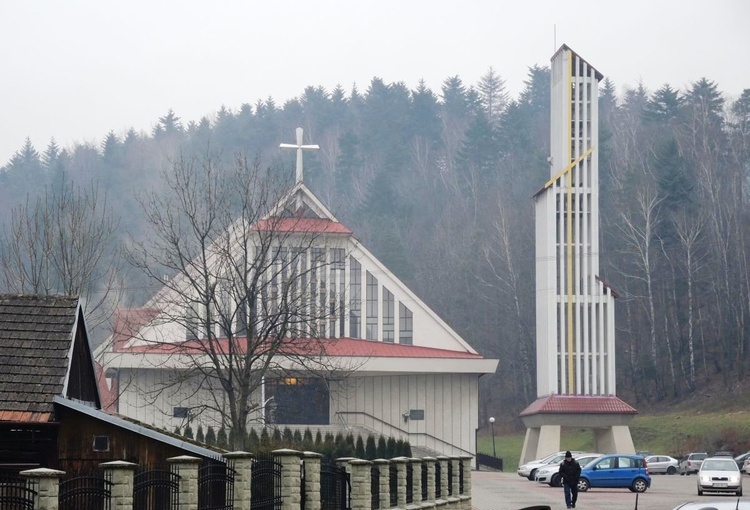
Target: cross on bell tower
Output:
[(299, 175)]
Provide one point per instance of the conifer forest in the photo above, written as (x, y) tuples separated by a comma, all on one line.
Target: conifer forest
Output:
[(439, 185)]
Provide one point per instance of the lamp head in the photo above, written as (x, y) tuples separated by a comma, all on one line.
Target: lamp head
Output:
[(492, 419)]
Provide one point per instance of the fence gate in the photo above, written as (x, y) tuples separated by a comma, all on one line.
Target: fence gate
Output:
[(216, 485), (85, 491), (156, 488), (16, 493), (335, 487), (265, 484)]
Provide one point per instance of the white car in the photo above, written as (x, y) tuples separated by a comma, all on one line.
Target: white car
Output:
[(549, 474), (719, 474), (746, 466), (528, 470), (662, 464), (725, 504)]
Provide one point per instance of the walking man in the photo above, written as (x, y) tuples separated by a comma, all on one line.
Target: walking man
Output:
[(569, 471)]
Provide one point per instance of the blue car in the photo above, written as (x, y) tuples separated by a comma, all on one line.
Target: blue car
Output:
[(617, 470)]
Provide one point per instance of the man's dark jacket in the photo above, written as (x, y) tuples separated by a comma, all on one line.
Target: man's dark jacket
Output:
[(570, 471)]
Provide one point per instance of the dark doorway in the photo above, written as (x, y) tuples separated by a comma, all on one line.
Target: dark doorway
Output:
[(298, 401)]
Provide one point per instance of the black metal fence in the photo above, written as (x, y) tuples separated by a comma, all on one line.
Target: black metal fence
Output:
[(409, 483), (375, 487), (216, 485), (461, 477), (438, 481), (393, 484), (266, 484), (156, 488), (335, 487), (489, 461), (425, 472), (86, 491), (17, 493)]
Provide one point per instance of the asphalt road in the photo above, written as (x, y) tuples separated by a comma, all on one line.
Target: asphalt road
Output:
[(508, 491)]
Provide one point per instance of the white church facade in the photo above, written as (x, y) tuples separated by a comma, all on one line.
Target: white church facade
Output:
[(386, 361)]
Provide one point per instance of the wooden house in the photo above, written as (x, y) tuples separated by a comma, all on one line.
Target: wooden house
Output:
[(50, 410)]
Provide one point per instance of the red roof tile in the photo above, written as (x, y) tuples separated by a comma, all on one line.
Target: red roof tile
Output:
[(579, 404), (25, 416), (341, 347), (308, 225)]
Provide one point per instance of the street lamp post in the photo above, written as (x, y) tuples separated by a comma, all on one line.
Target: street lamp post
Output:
[(492, 426)]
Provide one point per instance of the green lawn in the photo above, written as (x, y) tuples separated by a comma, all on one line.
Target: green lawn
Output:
[(672, 434)]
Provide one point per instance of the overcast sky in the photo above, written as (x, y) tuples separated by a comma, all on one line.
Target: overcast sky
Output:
[(75, 70)]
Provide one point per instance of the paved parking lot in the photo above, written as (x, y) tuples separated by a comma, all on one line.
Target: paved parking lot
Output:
[(508, 491)]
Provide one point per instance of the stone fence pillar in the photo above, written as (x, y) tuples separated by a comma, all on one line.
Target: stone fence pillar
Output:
[(48, 486), (121, 491), (401, 477), (361, 498), (430, 462), (291, 490), (382, 465), (416, 480), (242, 462), (188, 467), (312, 480), (466, 460)]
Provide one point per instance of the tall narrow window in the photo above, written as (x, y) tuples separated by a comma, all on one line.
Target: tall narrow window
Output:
[(224, 315), (192, 322), (336, 293), (242, 317), (388, 316), (355, 302), (406, 325), (372, 307)]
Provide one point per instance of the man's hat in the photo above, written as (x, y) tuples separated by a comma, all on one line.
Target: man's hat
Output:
[(567, 454)]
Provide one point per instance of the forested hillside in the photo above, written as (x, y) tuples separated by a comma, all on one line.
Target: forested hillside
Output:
[(439, 186)]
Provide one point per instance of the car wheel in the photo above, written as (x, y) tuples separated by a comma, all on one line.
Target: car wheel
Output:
[(671, 470), (532, 475), (583, 484), (739, 493), (555, 481), (700, 492), (682, 473), (639, 485)]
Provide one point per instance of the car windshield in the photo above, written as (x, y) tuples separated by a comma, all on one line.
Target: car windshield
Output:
[(699, 456), (719, 465)]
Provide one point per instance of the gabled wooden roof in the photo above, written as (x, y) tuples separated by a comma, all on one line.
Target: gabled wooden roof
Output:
[(44, 353)]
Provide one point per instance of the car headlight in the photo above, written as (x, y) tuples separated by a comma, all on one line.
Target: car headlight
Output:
[(734, 479), (705, 479)]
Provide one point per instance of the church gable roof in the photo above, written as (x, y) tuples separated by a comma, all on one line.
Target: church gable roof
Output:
[(44, 353)]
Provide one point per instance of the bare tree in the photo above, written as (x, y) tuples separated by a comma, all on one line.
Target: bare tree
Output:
[(245, 281), (64, 242)]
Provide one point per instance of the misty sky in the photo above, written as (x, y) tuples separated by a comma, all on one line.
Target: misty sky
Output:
[(77, 69)]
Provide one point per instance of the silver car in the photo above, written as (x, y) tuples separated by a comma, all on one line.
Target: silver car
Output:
[(719, 474), (550, 474), (662, 464), (691, 463)]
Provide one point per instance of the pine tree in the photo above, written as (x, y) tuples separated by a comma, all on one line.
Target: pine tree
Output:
[(199, 435), (494, 96), (210, 436), (382, 452), (371, 451), (359, 449), (188, 433), (221, 438)]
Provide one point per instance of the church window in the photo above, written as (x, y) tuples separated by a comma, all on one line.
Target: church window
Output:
[(355, 303), (405, 325), (192, 322), (388, 316), (372, 307)]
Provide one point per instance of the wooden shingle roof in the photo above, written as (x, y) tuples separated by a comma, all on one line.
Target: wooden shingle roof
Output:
[(37, 335)]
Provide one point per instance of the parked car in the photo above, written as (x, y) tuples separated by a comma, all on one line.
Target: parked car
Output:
[(617, 470), (741, 458), (691, 463), (746, 466), (723, 504), (528, 470), (719, 474), (662, 464), (549, 474)]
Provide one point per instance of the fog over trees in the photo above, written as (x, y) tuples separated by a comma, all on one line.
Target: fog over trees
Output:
[(439, 185)]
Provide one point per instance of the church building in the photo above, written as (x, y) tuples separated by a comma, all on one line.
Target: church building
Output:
[(384, 362)]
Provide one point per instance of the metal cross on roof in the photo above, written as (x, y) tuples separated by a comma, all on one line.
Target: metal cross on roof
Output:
[(299, 148)]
